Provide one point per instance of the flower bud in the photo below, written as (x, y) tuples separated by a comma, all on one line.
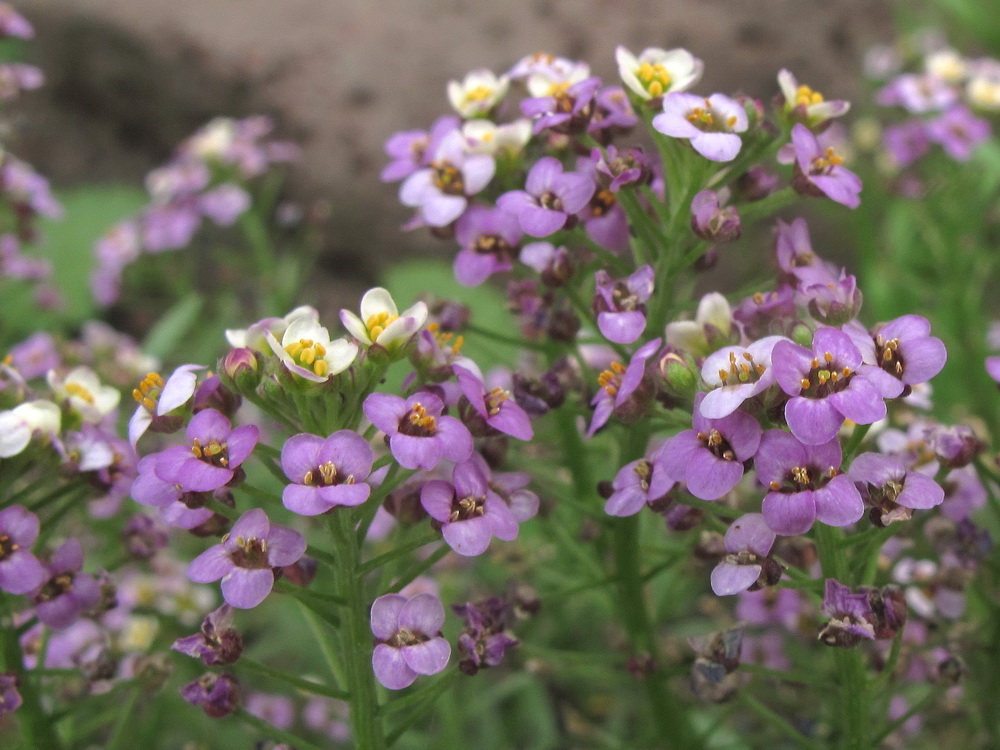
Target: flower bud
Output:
[(242, 369), (679, 377)]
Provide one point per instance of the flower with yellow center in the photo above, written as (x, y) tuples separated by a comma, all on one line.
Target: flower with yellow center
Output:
[(306, 350), (478, 93), (656, 72), (806, 105), (381, 324), (82, 389)]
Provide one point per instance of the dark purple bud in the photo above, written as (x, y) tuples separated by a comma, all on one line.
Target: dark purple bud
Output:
[(537, 394), (10, 699), (640, 665), (706, 261), (212, 394), (450, 316), (713, 674), (103, 666), (217, 694), (404, 505), (889, 606), (683, 517), (755, 184), (951, 670), (710, 221), (217, 643), (563, 326), (143, 537), (302, 572)]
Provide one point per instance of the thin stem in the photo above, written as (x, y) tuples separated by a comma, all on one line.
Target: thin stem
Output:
[(421, 568), (118, 734), (777, 721), (271, 731), (306, 685), (396, 552)]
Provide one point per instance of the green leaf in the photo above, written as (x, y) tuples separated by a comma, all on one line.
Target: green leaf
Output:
[(174, 326)]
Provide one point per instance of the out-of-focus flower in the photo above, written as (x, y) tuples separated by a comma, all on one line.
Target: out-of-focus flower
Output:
[(409, 642)]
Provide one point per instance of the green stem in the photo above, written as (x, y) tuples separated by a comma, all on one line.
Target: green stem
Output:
[(357, 638), (422, 567), (306, 685), (325, 644), (776, 721), (118, 734), (398, 551), (271, 731)]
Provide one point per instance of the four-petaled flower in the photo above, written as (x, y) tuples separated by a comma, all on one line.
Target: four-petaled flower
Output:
[(409, 639), (215, 451), (381, 324), (326, 473), (711, 124), (419, 436)]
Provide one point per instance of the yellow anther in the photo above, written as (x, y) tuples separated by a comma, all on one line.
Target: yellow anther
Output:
[(75, 389), (307, 356), (805, 97), (148, 403), (479, 93), (321, 367), (294, 348)]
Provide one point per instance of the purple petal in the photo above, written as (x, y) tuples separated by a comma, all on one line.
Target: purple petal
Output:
[(20, 524), (245, 589), (68, 557), (540, 222), (789, 514), (750, 533), (512, 420), (710, 477), (813, 420), (251, 525), (304, 500), (542, 175), (390, 668), (503, 525), (729, 579), (384, 411), (210, 565), (60, 612), (575, 191), (423, 613), (860, 402), (349, 452), (717, 146), (385, 615), (468, 538), (208, 425), (455, 438), (839, 503), (626, 502), (299, 455), (416, 452), (21, 572), (920, 492), (429, 657), (621, 327), (436, 498), (922, 359), (284, 546), (241, 443), (348, 495)]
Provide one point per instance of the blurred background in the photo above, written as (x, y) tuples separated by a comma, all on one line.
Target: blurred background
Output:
[(128, 79)]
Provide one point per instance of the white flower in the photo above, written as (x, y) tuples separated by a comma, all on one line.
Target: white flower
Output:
[(306, 350), (485, 137), (18, 425), (946, 64), (811, 105), (380, 323), (86, 396), (692, 335), (214, 140), (478, 93), (157, 398), (656, 72), (983, 92), (254, 337)]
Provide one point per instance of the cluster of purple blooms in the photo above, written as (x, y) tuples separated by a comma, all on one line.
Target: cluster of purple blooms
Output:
[(944, 96), (209, 177)]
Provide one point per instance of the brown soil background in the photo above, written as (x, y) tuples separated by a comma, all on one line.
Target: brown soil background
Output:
[(127, 79)]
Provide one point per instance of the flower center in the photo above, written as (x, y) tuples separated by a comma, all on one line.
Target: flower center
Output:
[(56, 586), (824, 164), (889, 357), (7, 546), (551, 201), (310, 355), (802, 478), (464, 508), (75, 389), (717, 444), (611, 380), (405, 637), (805, 97), (643, 470), (418, 423), (493, 244), (708, 120), (654, 78), (480, 93), (745, 371), (448, 178), (824, 378), (249, 553), (623, 298), (148, 392), (494, 400), (326, 475), (213, 452), (378, 322), (602, 202), (446, 340)]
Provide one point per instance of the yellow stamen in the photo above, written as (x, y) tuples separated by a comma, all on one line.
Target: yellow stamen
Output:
[(75, 389)]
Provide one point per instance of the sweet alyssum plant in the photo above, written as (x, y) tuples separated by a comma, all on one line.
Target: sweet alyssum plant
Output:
[(737, 499)]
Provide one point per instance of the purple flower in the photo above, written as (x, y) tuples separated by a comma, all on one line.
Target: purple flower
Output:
[(35, 356), (959, 132), (613, 111), (441, 192), (170, 226), (622, 167), (217, 694), (409, 639), (419, 436), (567, 109), (711, 124), (20, 571), (825, 386), (68, 593), (603, 217), (907, 141), (736, 374), (13, 23), (217, 643), (177, 507), (490, 240), (326, 473), (224, 204), (710, 457), (483, 641), (712, 222), (510, 487), (820, 172), (469, 511), (917, 93), (899, 354), (411, 150), (554, 264), (833, 298), (851, 616), (216, 450), (549, 199), (891, 490), (622, 390), (494, 406), (638, 483), (805, 484), (748, 566), (245, 558), (10, 699), (620, 305)]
